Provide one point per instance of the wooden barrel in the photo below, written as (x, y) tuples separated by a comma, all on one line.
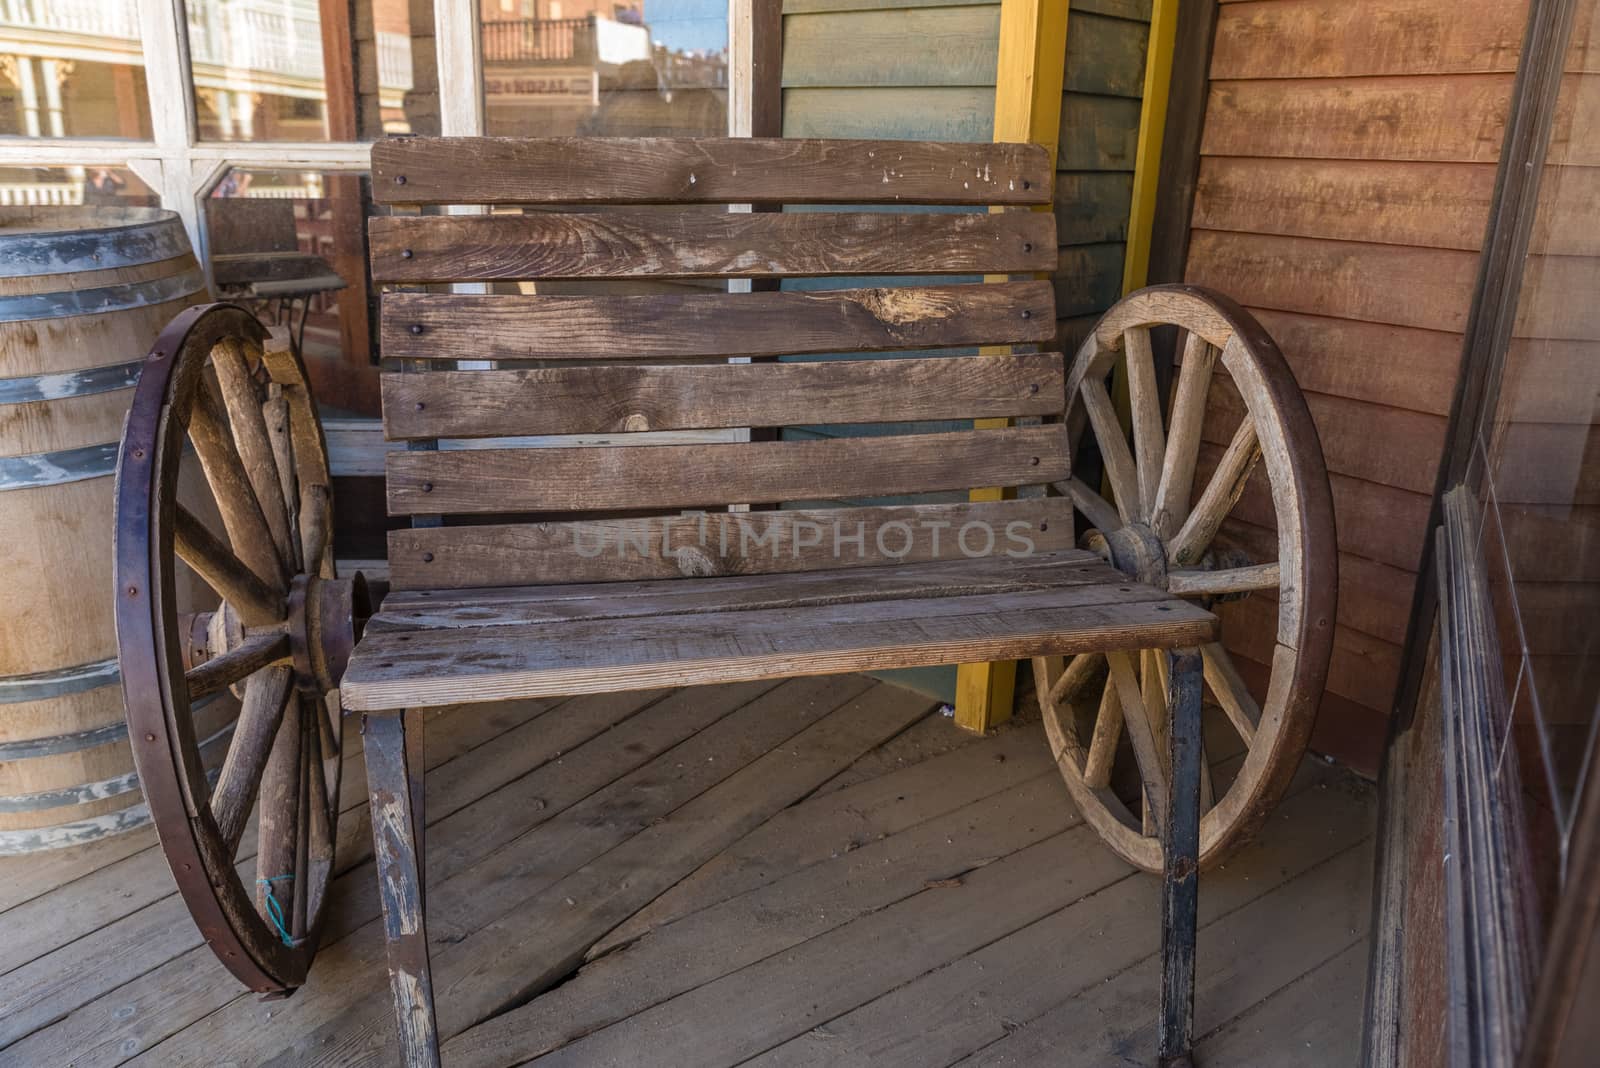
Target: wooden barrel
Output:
[(83, 293)]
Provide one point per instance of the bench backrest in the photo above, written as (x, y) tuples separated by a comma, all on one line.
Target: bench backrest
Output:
[(569, 356)]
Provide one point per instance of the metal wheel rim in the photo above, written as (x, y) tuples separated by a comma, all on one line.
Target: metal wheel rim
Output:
[(1303, 508), (156, 700)]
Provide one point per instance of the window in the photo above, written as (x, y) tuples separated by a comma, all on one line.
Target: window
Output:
[(72, 68), (252, 119)]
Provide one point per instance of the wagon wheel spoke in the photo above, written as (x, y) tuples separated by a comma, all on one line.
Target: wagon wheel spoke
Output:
[(1171, 505), (1114, 452), (1230, 691), (1192, 583), (309, 755), (243, 660), (1136, 719), (1073, 679), (1103, 743), (278, 827), (1094, 507), (275, 414), (315, 519), (1219, 496), (265, 696), (251, 440), (250, 595), (1144, 403), (230, 486), (321, 816)]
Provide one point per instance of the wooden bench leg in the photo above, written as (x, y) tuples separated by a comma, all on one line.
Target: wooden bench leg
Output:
[(392, 742), (1180, 849)]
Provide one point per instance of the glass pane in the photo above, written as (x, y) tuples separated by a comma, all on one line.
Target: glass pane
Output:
[(562, 67), (27, 186), (291, 246), (262, 71), (72, 68), (1541, 457)]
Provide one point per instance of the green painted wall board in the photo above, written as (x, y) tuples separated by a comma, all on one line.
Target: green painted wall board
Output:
[(940, 46)]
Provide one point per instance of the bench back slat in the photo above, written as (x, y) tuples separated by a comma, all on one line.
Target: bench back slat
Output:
[(599, 330), (489, 481), (620, 399), (647, 170), (515, 326), (723, 543), (706, 244)]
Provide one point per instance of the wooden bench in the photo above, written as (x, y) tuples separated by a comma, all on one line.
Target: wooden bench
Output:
[(598, 502)]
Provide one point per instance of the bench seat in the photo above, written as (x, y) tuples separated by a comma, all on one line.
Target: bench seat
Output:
[(439, 647)]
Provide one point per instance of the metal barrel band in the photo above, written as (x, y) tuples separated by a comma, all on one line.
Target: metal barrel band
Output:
[(82, 383), (56, 468), (62, 835), (70, 302), (148, 236), (59, 682), (84, 793)]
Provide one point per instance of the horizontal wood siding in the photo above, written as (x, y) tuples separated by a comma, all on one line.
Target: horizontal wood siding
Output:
[(1347, 163), (1104, 81)]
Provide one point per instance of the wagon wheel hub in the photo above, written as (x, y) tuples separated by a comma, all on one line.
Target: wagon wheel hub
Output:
[(325, 618), (1135, 550)]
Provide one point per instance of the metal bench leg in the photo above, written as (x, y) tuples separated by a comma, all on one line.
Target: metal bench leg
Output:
[(393, 745), (1180, 849)]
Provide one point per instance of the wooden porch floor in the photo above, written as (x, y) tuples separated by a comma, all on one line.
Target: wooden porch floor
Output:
[(818, 872)]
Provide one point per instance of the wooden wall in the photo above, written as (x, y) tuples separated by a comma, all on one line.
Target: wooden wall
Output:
[(1094, 170), (1347, 162), (925, 69)]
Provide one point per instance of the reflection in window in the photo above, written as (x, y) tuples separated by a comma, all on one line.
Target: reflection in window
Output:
[(72, 68), (33, 186), (605, 67), (260, 72), (291, 246), (1540, 458)]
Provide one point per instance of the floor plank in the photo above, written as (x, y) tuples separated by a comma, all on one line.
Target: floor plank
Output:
[(814, 872)]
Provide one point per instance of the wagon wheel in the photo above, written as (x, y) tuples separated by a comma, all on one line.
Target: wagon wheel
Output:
[(218, 391), (1162, 527)]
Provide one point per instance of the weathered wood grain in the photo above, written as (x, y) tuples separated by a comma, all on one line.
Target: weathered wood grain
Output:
[(621, 399), (1357, 38), (671, 476), (715, 543), (1457, 118), (1105, 56), (570, 602), (476, 664), (490, 170), (516, 327), (698, 244), (1424, 203), (1391, 284)]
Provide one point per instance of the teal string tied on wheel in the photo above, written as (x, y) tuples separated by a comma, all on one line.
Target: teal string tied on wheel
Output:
[(275, 910)]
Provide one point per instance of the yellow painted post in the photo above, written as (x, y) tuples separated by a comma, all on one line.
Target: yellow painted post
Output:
[(1027, 107), (1152, 128)]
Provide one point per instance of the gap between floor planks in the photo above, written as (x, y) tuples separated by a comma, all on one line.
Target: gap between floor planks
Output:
[(1066, 879), (679, 715)]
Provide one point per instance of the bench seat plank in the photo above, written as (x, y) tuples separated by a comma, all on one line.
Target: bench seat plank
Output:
[(702, 170), (680, 476), (620, 399), (545, 643), (702, 544), (513, 326), (419, 249)]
